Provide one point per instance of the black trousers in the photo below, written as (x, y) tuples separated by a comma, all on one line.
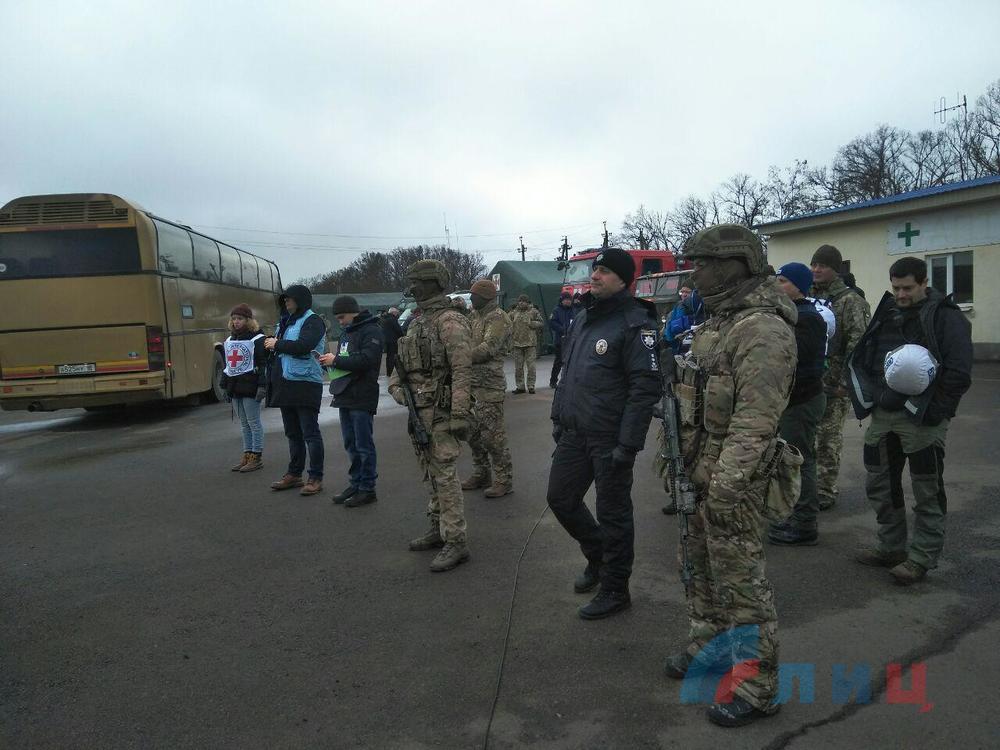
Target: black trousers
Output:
[(557, 364), (580, 461), (390, 360)]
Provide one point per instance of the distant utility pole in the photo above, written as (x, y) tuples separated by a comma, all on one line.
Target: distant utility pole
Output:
[(447, 233), (605, 243), (944, 109), (564, 249), (643, 242), (523, 248)]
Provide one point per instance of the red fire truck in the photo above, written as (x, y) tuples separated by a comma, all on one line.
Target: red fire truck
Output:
[(577, 268)]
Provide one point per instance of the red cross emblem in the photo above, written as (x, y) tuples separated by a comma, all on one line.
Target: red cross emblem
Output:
[(235, 358)]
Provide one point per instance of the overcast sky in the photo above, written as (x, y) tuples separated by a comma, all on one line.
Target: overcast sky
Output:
[(364, 123)]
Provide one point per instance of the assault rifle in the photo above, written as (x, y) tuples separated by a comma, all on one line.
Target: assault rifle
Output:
[(416, 427), (682, 491)]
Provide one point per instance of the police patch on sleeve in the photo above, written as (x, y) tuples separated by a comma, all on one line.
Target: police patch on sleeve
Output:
[(648, 338)]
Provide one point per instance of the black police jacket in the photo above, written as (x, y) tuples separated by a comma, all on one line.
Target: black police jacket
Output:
[(611, 372), (362, 342)]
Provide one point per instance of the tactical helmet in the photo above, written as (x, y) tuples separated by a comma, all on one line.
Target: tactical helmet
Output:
[(728, 241), (433, 270)]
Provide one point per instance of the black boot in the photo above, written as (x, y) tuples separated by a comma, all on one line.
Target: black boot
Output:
[(588, 579), (607, 602), (677, 665), (792, 535), (736, 713), (342, 497), (361, 497)]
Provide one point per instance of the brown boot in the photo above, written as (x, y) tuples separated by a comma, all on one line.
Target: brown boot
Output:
[(908, 573), (286, 482), (253, 463), (499, 490), (477, 481), (431, 539), (451, 556), (243, 461), (878, 559), (313, 487)]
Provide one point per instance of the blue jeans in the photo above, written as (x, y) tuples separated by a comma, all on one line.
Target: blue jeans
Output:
[(302, 430), (358, 428), (248, 410)]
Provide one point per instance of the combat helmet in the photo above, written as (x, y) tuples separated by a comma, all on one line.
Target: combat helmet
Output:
[(428, 269), (728, 241)]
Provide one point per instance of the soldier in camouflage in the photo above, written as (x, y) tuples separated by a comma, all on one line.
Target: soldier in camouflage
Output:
[(851, 313), (526, 322), (488, 436), (436, 359), (733, 386)]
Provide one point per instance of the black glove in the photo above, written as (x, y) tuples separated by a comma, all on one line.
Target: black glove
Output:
[(623, 458), (557, 432)]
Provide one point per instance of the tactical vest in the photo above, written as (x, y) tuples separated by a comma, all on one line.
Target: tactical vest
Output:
[(425, 360)]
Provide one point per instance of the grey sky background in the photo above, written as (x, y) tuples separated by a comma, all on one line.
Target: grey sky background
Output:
[(373, 120)]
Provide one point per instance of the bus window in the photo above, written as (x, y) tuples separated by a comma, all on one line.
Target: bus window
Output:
[(276, 277), (265, 273), (74, 252), (231, 273), (249, 270), (206, 258), (651, 265), (174, 249)]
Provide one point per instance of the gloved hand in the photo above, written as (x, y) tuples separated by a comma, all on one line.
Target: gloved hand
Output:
[(459, 428), (397, 396), (261, 394), (557, 432), (623, 458)]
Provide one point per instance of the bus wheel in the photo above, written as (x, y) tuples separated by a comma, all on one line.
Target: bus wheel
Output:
[(215, 393)]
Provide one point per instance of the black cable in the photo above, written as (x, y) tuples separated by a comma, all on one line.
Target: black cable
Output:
[(506, 635)]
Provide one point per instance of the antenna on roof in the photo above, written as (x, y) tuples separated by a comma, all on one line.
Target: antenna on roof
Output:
[(944, 109), (447, 233)]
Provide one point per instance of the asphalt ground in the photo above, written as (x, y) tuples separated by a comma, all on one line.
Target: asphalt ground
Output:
[(152, 598)]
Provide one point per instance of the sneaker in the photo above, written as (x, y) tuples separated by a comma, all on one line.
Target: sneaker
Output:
[(793, 536), (343, 496), (312, 487), (877, 559), (588, 579), (287, 482), (498, 490), (908, 573), (361, 497), (737, 713), (242, 463), (255, 462), (607, 602), (451, 556)]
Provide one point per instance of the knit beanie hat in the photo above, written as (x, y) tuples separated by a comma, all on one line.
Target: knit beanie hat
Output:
[(243, 310), (618, 261), (345, 305), (829, 256), (484, 288), (799, 274)]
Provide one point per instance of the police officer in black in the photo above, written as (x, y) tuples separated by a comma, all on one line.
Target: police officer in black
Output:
[(600, 414)]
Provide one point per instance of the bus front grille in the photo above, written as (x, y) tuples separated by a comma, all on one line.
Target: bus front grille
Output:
[(65, 212)]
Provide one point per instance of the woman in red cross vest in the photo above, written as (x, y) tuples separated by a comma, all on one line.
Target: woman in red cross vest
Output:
[(244, 379)]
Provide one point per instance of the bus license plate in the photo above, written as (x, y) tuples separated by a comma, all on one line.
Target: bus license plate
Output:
[(81, 369)]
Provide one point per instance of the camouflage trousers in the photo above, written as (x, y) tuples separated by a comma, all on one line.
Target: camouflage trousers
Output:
[(524, 358), (729, 589), (447, 502), (891, 441), (488, 440), (830, 446)]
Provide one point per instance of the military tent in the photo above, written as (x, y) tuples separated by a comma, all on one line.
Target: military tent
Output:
[(374, 302), (541, 280)]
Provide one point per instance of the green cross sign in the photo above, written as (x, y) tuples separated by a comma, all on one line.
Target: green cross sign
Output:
[(908, 234)]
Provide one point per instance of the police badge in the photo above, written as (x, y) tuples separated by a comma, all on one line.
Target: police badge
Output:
[(648, 338), (601, 346)]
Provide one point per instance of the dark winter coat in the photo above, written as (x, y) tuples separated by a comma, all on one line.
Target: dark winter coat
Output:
[(937, 324), (560, 322), (283, 392), (363, 341), (391, 331), (611, 374), (246, 385), (810, 341)]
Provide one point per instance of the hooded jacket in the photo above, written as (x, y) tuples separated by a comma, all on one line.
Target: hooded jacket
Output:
[(943, 329), (560, 322), (298, 393), (359, 352)]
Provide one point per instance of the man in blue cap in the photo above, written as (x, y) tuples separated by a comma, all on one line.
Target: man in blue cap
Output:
[(806, 405)]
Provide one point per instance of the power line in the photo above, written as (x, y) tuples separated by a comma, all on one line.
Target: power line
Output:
[(393, 237)]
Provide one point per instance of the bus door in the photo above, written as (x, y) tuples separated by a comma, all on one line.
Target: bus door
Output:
[(174, 336)]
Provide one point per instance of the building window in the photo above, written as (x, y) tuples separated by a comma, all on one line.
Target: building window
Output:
[(952, 274)]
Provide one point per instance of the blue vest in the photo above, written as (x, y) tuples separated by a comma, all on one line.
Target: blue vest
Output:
[(302, 367)]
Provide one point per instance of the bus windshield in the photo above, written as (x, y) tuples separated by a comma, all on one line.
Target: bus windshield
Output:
[(71, 252), (579, 270)]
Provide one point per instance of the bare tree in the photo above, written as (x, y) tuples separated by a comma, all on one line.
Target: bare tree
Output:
[(386, 271), (985, 131), (930, 159), (791, 191), (743, 200), (871, 166), (649, 227), (690, 216)]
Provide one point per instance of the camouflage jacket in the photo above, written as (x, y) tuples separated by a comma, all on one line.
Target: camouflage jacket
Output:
[(526, 322), (436, 355), (852, 313), (490, 340), (733, 386)]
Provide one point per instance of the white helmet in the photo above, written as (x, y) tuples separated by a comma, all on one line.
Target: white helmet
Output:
[(910, 369)]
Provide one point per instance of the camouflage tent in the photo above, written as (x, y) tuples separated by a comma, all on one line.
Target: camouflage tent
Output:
[(541, 280)]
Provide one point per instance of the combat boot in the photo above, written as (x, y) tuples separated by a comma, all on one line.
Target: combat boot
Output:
[(253, 463), (908, 573), (531, 390), (791, 535), (825, 502), (737, 713), (451, 556), (878, 559), (243, 462), (498, 490), (343, 497), (431, 539), (588, 579), (361, 497), (518, 390), (607, 602), (478, 480)]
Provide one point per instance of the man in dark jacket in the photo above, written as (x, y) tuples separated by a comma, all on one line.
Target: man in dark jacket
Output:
[(600, 417), (392, 333), (806, 404), (295, 385), (560, 322), (354, 386), (907, 425)]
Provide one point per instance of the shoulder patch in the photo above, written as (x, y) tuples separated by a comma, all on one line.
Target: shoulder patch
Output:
[(648, 337)]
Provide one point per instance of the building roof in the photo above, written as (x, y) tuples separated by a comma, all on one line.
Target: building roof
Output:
[(888, 200)]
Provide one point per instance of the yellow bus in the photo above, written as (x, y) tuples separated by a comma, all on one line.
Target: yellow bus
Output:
[(103, 303)]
